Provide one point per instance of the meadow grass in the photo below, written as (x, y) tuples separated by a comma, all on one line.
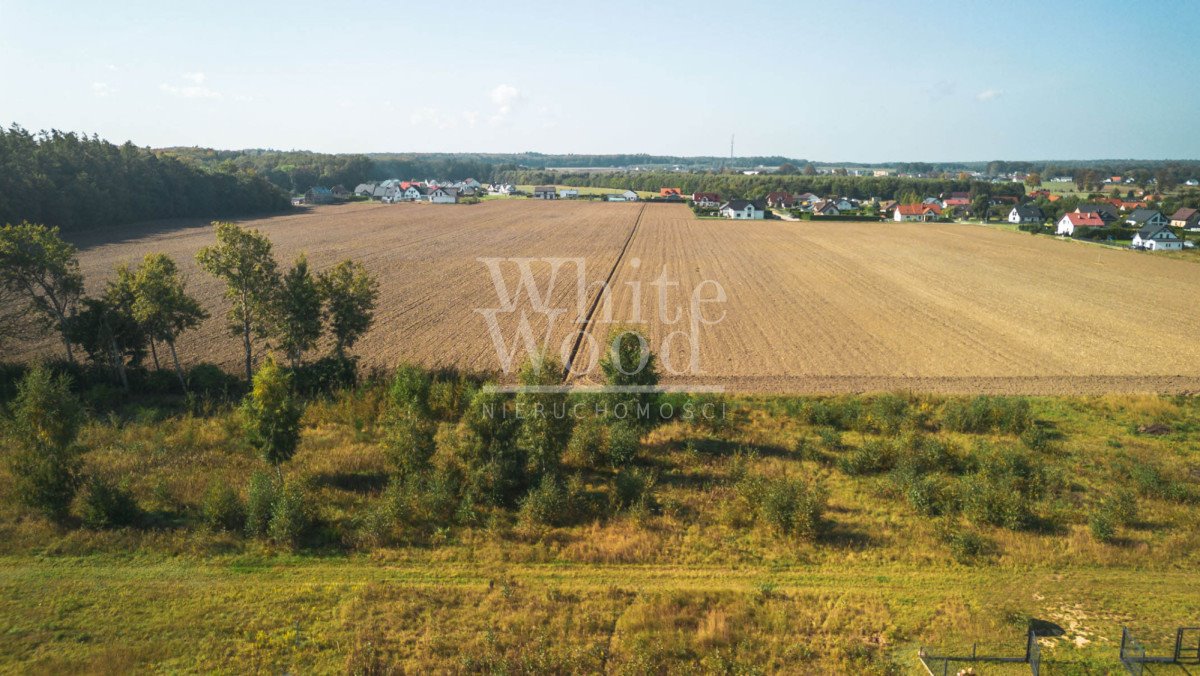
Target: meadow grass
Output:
[(696, 580)]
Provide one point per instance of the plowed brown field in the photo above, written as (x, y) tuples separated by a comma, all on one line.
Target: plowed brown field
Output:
[(809, 307)]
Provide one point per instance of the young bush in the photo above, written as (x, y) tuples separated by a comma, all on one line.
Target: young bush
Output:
[(410, 389), (624, 440), (45, 460), (1150, 482), (291, 517), (106, 505), (408, 441), (1036, 438), (260, 503), (223, 510), (553, 503), (588, 445), (872, 457), (632, 490), (1005, 485), (886, 414), (792, 507), (981, 415), (965, 545), (925, 493), (1103, 525)]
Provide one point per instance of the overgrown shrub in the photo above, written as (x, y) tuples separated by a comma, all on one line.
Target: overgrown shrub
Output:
[(624, 440), (633, 490), (408, 441), (291, 517), (553, 502), (1103, 525), (984, 414), (886, 414), (873, 457), (1150, 482), (105, 504), (790, 506), (260, 503), (966, 545), (588, 445), (410, 389), (1003, 489), (223, 509), (1036, 438)]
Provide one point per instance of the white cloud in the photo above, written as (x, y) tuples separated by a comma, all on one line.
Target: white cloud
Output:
[(431, 117), (103, 89), (989, 94), (196, 90), (505, 98)]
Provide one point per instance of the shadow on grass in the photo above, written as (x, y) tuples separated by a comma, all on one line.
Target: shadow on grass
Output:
[(353, 482)]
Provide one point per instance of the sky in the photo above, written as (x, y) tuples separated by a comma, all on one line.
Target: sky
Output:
[(862, 81)]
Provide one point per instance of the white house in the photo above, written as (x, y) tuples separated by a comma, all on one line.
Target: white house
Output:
[(568, 192), (545, 192), (1156, 238), (1070, 222), (443, 196), (1025, 214), (411, 194), (742, 210), (630, 196), (916, 212)]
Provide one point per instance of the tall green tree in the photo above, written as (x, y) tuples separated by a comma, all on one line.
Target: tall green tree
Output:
[(108, 332), (243, 259), (271, 415), (298, 312), (39, 266), (350, 293), (45, 458), (162, 306), (546, 423), (631, 374)]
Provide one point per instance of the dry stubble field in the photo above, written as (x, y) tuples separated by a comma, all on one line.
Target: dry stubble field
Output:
[(810, 307)]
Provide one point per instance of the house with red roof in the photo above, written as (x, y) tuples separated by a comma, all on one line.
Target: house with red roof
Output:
[(780, 200), (917, 212), (1069, 222), (706, 199), (667, 192)]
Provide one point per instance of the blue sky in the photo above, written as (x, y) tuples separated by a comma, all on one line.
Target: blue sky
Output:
[(899, 80)]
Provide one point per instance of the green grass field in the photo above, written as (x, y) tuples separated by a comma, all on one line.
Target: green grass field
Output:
[(695, 577)]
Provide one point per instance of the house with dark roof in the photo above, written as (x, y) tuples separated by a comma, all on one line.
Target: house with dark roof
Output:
[(826, 208), (1144, 217), (1071, 222), (1188, 219), (545, 192), (1106, 210), (743, 210), (1157, 238), (443, 195), (319, 195), (1026, 213)]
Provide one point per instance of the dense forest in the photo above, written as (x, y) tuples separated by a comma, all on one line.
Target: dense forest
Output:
[(757, 186), (69, 180)]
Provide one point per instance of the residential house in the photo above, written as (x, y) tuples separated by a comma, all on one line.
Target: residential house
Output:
[(364, 189), (1070, 222), (568, 193), (502, 189), (545, 192), (340, 192), (1026, 213), (442, 195), (1144, 217), (630, 196), (780, 200), (1107, 211), (916, 212), (1157, 238), (707, 200), (843, 204), (667, 192), (826, 208), (412, 193), (743, 210), (807, 198), (627, 196), (888, 206), (471, 183), (1188, 219), (961, 202), (318, 195)]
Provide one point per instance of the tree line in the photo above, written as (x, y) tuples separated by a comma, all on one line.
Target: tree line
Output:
[(147, 305), (74, 181), (758, 186)]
